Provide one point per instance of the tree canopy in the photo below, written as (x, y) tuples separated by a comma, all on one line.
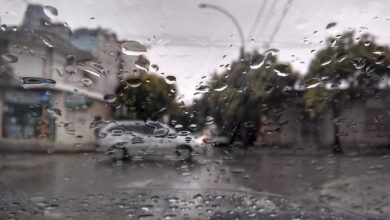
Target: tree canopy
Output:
[(145, 95), (234, 97), (349, 67)]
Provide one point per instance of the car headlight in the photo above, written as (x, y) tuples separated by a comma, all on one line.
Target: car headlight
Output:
[(200, 139)]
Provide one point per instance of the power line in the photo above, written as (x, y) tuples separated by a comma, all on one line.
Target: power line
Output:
[(268, 16), (259, 14), (279, 24)]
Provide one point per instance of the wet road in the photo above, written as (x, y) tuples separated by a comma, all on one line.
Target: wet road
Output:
[(358, 183)]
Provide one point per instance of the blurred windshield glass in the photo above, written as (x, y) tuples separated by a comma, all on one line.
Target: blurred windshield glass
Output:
[(257, 109)]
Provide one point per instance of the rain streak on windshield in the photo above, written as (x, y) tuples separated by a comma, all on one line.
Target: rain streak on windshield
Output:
[(194, 110)]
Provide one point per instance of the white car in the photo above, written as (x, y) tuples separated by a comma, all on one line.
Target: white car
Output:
[(125, 139)]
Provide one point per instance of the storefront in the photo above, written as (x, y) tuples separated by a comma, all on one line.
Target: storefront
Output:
[(25, 115)]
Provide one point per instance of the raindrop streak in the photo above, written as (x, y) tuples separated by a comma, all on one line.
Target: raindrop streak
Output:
[(92, 68), (47, 40), (50, 11), (9, 58), (313, 85), (58, 72), (170, 79), (220, 87), (37, 82), (133, 48), (109, 98), (326, 62)]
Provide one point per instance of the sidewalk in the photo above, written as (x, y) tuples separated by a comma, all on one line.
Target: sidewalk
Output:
[(43, 146), (308, 150)]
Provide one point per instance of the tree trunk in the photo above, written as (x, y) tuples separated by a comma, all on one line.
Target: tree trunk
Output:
[(337, 149)]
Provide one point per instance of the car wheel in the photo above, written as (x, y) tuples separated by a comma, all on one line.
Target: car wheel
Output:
[(184, 153), (118, 153)]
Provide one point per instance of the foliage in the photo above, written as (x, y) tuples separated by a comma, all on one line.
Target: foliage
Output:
[(257, 80), (349, 68), (146, 95)]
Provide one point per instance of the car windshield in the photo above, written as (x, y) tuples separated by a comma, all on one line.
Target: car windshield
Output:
[(198, 109)]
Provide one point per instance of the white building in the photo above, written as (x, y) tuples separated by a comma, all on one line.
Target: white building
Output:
[(84, 64)]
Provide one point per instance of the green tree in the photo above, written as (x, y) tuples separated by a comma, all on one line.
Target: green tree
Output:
[(145, 96), (348, 69), (234, 98)]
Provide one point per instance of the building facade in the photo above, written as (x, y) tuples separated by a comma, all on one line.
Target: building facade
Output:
[(85, 65)]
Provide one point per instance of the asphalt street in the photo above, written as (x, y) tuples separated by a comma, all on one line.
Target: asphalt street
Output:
[(66, 186)]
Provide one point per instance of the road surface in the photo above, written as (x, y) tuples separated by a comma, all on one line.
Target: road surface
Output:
[(76, 183)]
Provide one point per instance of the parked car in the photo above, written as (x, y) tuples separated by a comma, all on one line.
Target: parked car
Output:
[(125, 139)]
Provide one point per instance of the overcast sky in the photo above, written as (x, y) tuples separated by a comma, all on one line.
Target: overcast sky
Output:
[(189, 42)]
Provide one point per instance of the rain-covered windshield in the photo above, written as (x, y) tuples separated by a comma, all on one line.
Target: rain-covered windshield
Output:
[(256, 109)]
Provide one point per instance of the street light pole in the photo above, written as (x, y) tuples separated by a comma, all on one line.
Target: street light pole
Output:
[(233, 19)]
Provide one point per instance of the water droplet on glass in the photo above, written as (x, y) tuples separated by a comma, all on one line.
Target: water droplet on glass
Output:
[(331, 25), (202, 89), (186, 174), (109, 98), (378, 52), (57, 71), (133, 48), (146, 208), (380, 59), (249, 124), (86, 81), (333, 43), (155, 67), (341, 57), (326, 62), (47, 40), (193, 126), (279, 73), (54, 112), (220, 87), (209, 120), (50, 11), (257, 62), (313, 85), (146, 217), (37, 82), (237, 170), (170, 79), (134, 82), (272, 51), (92, 68), (9, 58), (178, 126), (184, 133), (169, 217), (359, 63), (198, 197), (142, 64), (3, 27)]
